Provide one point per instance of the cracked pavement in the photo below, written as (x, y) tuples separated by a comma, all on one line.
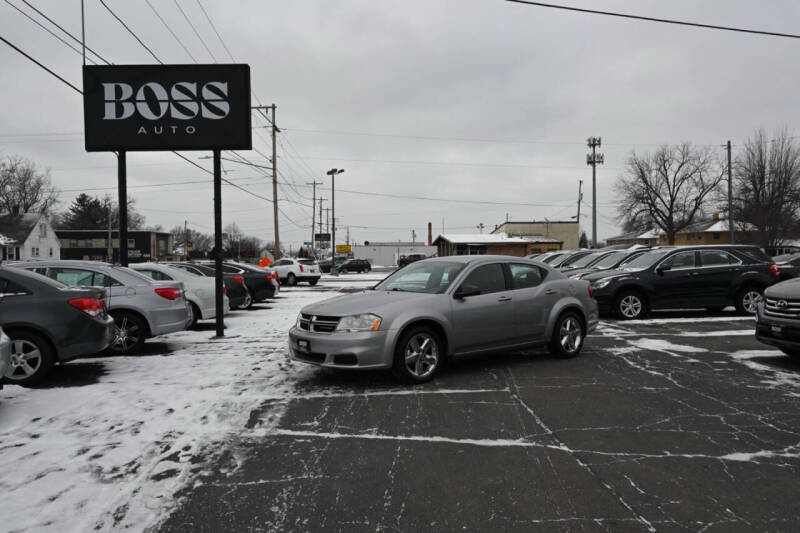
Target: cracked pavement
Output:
[(680, 423)]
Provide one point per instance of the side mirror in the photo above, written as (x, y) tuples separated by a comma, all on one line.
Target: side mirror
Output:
[(465, 291), (663, 268)]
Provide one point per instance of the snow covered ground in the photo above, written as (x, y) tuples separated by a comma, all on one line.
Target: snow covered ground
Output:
[(107, 441)]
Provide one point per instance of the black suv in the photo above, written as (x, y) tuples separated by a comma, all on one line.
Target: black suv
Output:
[(410, 258), (712, 277), (355, 265)]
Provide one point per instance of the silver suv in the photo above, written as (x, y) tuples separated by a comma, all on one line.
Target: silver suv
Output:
[(141, 307)]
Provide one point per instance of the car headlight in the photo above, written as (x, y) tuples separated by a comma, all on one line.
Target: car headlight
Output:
[(297, 322), (599, 284), (576, 276), (367, 322)]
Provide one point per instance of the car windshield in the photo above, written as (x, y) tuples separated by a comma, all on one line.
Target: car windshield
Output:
[(586, 259), (184, 271), (430, 277), (558, 260), (646, 260), (548, 259), (307, 262), (132, 272), (609, 261)]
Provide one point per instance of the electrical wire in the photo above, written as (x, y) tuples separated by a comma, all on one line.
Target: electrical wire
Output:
[(103, 3), (654, 19), (169, 29), (210, 23), (54, 23), (186, 17)]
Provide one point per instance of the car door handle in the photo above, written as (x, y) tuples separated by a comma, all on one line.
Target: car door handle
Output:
[(694, 273), (550, 291), (504, 299)]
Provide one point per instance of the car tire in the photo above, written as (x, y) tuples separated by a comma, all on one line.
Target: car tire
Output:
[(130, 332), (37, 354), (630, 305), (747, 299), (313, 282), (195, 315), (248, 300), (343, 270), (425, 363), (291, 280), (568, 336)]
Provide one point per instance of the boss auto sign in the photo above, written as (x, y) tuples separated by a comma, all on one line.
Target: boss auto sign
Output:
[(166, 107)]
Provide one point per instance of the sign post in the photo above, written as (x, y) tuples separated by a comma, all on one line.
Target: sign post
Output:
[(168, 107)]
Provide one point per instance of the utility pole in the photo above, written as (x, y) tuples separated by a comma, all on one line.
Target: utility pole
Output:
[(185, 240), (480, 227), (413, 238), (313, 207), (277, 249), (580, 199), (327, 220), (594, 159), (110, 251), (333, 173), (348, 235), (730, 195)]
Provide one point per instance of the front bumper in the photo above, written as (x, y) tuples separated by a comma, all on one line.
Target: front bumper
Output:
[(363, 350), (776, 331)]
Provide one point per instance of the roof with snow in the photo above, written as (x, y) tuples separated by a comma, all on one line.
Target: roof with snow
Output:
[(706, 226), (18, 227), (492, 238)]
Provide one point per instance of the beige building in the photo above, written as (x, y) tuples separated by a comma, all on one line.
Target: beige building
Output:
[(493, 244), (566, 231)]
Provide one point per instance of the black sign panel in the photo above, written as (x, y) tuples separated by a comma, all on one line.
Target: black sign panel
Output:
[(166, 107), (322, 237)]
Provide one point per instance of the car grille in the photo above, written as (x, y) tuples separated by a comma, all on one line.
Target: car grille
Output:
[(783, 308), (318, 324)]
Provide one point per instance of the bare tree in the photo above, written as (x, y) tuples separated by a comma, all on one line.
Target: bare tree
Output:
[(767, 187), (667, 189), (24, 188)]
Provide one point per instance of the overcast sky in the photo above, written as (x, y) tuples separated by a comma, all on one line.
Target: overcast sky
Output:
[(479, 100)]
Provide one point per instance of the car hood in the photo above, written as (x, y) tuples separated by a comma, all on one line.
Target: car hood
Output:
[(600, 274), (786, 289), (378, 302)]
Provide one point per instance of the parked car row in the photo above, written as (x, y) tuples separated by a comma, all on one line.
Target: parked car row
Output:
[(56, 311), (344, 265)]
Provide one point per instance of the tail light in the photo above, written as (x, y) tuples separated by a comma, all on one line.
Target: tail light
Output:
[(169, 293), (301, 268), (591, 291), (90, 306), (239, 279), (224, 288), (775, 269)]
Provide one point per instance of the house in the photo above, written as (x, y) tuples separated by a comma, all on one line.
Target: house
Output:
[(713, 231), (566, 231), (494, 243), (27, 236), (143, 245)]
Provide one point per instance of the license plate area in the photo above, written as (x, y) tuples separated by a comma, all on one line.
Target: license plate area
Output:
[(303, 345)]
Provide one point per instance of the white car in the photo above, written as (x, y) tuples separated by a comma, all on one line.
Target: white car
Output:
[(293, 271), (199, 289)]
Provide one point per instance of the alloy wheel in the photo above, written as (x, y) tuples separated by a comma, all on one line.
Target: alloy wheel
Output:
[(26, 359), (126, 335), (750, 301), (421, 355), (630, 306), (570, 335)]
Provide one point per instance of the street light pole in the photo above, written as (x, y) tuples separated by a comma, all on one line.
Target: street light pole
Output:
[(594, 159), (332, 173)]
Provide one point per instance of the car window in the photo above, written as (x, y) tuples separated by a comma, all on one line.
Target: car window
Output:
[(101, 280), (186, 271), (586, 259), (231, 270), (73, 277), (609, 260), (524, 276), (430, 277), (680, 260), (306, 261), (717, 258), (10, 288), (154, 274), (487, 279)]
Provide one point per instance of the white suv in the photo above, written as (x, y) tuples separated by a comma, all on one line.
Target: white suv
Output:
[(293, 271)]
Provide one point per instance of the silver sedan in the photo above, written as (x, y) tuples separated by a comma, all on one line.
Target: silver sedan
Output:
[(442, 307)]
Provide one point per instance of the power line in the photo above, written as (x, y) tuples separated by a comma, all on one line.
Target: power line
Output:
[(48, 30), (653, 19), (186, 17), (130, 31), (169, 29), (210, 23), (444, 163), (38, 63), (54, 23)]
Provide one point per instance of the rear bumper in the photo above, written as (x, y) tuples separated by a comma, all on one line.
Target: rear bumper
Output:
[(169, 319), (95, 337), (263, 292), (367, 350)]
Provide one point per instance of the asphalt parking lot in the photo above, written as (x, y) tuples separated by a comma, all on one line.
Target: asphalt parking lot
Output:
[(680, 423)]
